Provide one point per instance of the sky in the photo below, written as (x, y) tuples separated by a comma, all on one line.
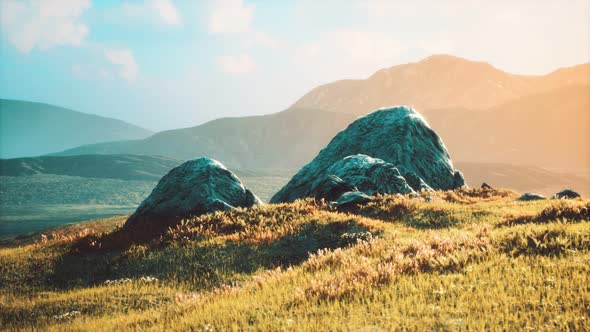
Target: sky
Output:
[(165, 64)]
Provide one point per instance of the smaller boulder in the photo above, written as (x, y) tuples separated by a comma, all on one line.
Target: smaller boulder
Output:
[(351, 200), (486, 186), (566, 194), (531, 197), (370, 175), (196, 187)]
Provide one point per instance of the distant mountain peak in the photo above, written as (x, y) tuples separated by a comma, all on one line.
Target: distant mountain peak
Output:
[(436, 82)]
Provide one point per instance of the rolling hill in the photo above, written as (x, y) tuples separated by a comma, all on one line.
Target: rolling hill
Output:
[(33, 129), (122, 167), (550, 129), (522, 178), (276, 142)]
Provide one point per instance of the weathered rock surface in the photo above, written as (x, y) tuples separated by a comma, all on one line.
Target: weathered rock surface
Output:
[(351, 200), (370, 175), (399, 136), (531, 197), (330, 188), (566, 194), (196, 187)]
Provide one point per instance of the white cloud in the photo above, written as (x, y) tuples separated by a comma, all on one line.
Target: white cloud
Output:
[(43, 24), (236, 64), (230, 16), (263, 39), (126, 61), (439, 46), (90, 72), (160, 11), (167, 11), (349, 53)]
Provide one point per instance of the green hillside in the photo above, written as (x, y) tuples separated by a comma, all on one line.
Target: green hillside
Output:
[(123, 167), (33, 129), (282, 141), (395, 264)]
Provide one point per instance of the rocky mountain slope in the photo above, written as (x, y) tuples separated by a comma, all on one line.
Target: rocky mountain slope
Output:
[(439, 81)]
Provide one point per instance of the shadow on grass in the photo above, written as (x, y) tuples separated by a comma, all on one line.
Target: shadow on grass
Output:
[(199, 264)]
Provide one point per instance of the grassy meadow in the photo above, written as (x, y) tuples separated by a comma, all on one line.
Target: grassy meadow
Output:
[(466, 260)]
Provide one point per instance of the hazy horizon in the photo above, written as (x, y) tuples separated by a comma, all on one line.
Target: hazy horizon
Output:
[(164, 64)]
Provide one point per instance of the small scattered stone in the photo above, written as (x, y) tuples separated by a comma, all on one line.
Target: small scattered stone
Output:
[(531, 197), (351, 200), (566, 194), (486, 186)]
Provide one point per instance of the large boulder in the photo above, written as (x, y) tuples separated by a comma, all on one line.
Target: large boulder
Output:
[(399, 136), (196, 187)]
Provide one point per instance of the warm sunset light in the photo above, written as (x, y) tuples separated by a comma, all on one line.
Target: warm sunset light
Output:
[(296, 165)]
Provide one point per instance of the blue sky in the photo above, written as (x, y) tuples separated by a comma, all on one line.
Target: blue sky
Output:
[(166, 64)]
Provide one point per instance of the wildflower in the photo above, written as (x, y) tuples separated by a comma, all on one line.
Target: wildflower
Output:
[(67, 315)]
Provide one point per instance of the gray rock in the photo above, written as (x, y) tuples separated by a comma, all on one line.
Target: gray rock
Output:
[(399, 136), (485, 185), (531, 197), (370, 175), (196, 187), (414, 181), (351, 200), (329, 187), (458, 180), (566, 194)]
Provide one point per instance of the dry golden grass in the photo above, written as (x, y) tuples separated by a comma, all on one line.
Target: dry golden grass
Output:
[(453, 263)]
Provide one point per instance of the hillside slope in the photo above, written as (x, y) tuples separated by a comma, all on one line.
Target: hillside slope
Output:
[(551, 129), (123, 167), (439, 81), (280, 141), (466, 260), (523, 178), (33, 129)]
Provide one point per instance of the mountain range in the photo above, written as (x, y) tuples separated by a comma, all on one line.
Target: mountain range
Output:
[(33, 129), (271, 143), (482, 113)]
